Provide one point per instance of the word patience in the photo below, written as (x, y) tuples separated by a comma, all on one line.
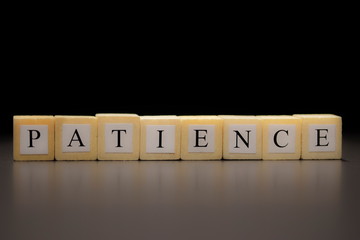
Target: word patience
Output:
[(215, 137)]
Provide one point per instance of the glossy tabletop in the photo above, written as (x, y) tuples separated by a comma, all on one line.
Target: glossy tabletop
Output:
[(181, 199)]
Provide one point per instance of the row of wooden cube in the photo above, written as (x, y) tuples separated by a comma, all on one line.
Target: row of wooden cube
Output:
[(134, 137)]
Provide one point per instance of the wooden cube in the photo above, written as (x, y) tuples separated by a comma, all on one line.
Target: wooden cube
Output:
[(321, 136), (242, 137), (201, 137), (281, 137), (33, 138), (118, 136), (75, 137), (160, 138)]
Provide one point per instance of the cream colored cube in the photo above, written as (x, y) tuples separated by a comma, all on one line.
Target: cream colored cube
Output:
[(160, 138), (75, 137), (321, 136), (118, 136), (242, 137), (33, 138), (201, 137), (281, 137)]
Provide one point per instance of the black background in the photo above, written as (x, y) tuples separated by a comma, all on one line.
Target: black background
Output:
[(269, 72)]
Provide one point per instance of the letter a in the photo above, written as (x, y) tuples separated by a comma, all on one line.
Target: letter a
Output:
[(76, 134)]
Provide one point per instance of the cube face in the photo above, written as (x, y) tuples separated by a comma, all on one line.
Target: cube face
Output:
[(160, 138), (75, 138), (281, 137), (321, 136), (201, 137), (33, 138), (118, 136), (242, 137)]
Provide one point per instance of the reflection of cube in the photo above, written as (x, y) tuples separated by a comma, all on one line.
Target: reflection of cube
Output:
[(201, 137), (242, 137), (160, 138), (118, 136), (321, 136), (281, 137), (33, 138), (75, 138)]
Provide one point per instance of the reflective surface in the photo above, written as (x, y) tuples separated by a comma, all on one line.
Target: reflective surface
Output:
[(181, 199)]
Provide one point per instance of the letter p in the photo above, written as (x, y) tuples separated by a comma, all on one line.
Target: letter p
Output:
[(33, 135)]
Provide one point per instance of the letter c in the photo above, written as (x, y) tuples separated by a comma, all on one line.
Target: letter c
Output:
[(276, 139)]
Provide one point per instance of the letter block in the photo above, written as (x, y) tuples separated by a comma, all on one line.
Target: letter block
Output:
[(281, 137), (242, 137), (118, 136), (75, 137), (160, 138), (201, 137), (33, 138), (321, 136)]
